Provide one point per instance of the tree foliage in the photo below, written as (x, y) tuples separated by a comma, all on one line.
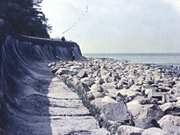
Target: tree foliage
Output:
[(25, 16)]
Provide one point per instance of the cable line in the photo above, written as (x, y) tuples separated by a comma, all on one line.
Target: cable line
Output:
[(76, 22)]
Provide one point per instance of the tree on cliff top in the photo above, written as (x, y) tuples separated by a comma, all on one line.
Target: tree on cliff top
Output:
[(25, 16)]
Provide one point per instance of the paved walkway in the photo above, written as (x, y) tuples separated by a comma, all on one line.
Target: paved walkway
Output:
[(44, 105), (67, 110)]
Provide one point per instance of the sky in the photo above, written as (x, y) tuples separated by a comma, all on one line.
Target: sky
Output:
[(117, 26)]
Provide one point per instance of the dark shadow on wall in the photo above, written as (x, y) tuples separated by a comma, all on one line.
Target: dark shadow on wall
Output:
[(25, 79)]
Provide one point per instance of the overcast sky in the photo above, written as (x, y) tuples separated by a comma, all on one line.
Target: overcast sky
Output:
[(117, 26)]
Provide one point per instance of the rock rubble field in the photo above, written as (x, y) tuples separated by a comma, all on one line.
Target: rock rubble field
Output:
[(125, 98)]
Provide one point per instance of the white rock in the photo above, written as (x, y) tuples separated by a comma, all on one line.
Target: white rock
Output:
[(135, 88), (96, 88), (82, 74), (111, 92), (154, 131), (148, 91), (134, 107), (101, 131), (88, 81), (167, 106), (144, 114), (75, 81), (169, 120), (111, 110), (62, 71), (127, 92), (172, 130), (108, 99), (129, 130), (51, 64), (104, 72), (100, 81), (116, 111), (108, 85), (119, 85), (75, 67), (90, 95), (97, 94)]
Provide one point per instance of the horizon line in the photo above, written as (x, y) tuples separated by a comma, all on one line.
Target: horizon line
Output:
[(134, 53)]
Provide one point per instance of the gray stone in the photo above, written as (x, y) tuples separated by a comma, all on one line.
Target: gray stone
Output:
[(91, 96), (52, 64), (172, 130), (128, 92), (101, 131), (167, 106), (154, 131), (96, 88), (54, 69), (97, 94), (169, 120), (171, 108), (88, 81), (82, 74), (100, 81), (111, 92), (129, 130), (115, 111), (119, 85), (108, 85), (144, 115)]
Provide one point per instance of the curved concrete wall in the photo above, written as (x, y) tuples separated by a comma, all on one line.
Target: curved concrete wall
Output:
[(23, 64)]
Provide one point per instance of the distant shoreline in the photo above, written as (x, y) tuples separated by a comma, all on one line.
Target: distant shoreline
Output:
[(156, 53), (141, 58)]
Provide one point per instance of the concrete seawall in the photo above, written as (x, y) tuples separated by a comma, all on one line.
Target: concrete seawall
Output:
[(33, 101)]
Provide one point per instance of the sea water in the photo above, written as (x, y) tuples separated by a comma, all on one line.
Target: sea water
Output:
[(146, 58)]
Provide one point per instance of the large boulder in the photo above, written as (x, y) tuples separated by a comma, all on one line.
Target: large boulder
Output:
[(88, 81), (115, 111), (82, 74), (170, 124), (96, 87), (154, 131), (97, 94), (110, 85), (62, 71), (171, 108), (111, 92), (129, 130), (97, 90), (128, 92), (145, 115), (100, 81), (101, 131), (111, 110), (172, 130)]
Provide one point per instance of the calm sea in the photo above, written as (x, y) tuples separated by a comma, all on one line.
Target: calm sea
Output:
[(147, 58)]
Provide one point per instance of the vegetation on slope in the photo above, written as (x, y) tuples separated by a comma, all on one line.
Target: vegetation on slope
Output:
[(25, 16)]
